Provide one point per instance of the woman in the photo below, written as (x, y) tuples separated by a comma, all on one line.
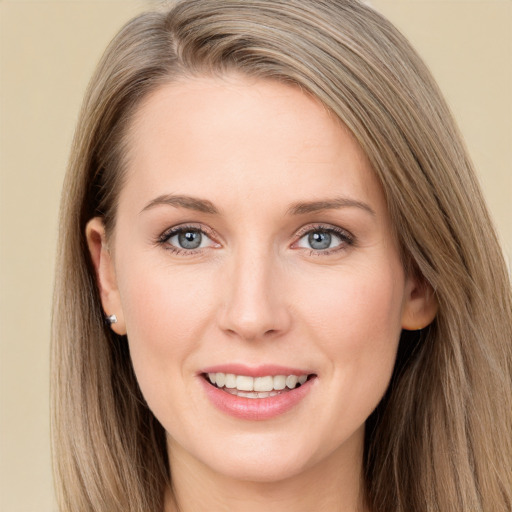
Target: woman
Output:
[(306, 305)]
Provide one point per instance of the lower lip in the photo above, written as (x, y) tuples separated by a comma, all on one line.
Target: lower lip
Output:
[(255, 409)]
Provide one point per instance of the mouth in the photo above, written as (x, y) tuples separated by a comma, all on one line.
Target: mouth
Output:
[(246, 386)]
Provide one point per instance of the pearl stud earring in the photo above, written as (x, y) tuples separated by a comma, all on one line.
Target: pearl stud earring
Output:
[(111, 319)]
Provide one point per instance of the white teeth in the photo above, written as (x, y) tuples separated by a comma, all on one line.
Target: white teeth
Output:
[(264, 383), (244, 383), (291, 381), (279, 382), (248, 395), (230, 381), (253, 394), (259, 386), (220, 379)]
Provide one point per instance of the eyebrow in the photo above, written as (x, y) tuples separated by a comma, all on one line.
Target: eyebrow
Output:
[(190, 203), (300, 208), (328, 204)]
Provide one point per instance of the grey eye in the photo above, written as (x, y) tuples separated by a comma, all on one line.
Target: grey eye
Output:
[(323, 239), (319, 240), (190, 239)]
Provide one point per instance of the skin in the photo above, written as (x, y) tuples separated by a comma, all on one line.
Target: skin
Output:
[(256, 292)]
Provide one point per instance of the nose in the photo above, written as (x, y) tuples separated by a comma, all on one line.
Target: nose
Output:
[(254, 294)]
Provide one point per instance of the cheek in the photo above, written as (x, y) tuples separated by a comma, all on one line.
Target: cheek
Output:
[(165, 311), (349, 304), (159, 299), (357, 324)]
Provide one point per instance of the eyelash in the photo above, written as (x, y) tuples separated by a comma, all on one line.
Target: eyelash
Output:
[(163, 239), (346, 239)]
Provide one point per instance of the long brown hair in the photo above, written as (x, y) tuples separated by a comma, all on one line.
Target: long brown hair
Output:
[(441, 438)]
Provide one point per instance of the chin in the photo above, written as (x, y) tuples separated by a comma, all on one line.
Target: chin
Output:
[(264, 459), (252, 458), (259, 470)]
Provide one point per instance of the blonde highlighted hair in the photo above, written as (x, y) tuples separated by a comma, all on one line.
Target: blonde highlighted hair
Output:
[(441, 439)]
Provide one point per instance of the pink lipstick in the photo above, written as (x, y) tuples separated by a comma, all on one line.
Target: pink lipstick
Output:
[(256, 393)]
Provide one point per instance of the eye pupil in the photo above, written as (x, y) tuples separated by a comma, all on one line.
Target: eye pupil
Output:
[(190, 239), (319, 240)]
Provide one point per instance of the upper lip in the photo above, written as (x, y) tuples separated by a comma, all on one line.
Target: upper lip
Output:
[(255, 371)]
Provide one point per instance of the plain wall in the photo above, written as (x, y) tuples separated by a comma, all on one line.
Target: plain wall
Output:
[(47, 53), (48, 50)]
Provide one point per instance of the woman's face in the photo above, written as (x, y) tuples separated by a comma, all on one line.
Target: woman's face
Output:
[(253, 246)]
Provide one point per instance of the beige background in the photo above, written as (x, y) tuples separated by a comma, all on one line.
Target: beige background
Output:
[(47, 53)]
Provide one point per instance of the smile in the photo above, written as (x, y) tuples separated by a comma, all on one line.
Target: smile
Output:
[(269, 392), (255, 387)]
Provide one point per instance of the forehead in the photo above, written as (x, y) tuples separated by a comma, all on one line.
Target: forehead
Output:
[(243, 135)]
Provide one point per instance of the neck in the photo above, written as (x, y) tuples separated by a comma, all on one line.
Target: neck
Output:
[(334, 484)]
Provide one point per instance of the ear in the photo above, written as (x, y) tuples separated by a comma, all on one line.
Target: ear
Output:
[(420, 306), (105, 273)]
